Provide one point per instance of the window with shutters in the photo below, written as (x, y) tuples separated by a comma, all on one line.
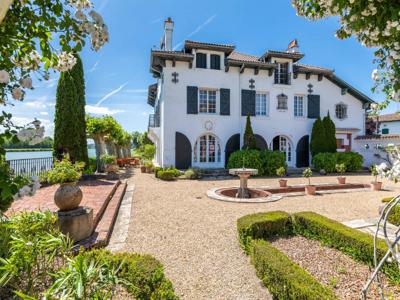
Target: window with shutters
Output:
[(261, 104), (215, 62), (282, 102), (201, 60), (341, 111), (207, 101), (299, 106), (282, 75)]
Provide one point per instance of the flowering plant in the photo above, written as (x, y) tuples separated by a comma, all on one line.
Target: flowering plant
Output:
[(65, 171), (340, 168), (375, 24), (391, 168), (307, 173)]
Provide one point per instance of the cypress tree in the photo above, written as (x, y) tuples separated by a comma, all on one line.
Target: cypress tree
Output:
[(249, 139), (330, 133), (69, 120), (318, 138)]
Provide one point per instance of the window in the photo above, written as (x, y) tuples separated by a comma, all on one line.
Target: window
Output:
[(298, 106), (201, 60), (282, 102), (341, 111), (385, 130), (215, 62), (208, 149), (261, 104), (207, 101), (339, 143), (282, 73)]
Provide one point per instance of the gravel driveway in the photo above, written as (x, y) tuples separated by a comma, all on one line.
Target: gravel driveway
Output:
[(195, 237)]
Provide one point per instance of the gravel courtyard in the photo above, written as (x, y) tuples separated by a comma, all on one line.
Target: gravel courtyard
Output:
[(195, 237)]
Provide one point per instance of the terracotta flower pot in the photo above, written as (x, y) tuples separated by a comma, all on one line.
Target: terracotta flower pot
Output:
[(68, 196), (143, 169), (376, 185), (282, 183), (310, 189), (149, 169), (341, 180)]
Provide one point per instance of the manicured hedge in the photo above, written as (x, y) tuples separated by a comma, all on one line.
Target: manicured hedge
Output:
[(167, 174), (263, 226), (265, 161), (143, 274), (327, 161), (357, 244), (284, 278)]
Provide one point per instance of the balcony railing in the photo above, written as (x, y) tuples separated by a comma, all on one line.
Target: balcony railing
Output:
[(31, 166), (154, 121)]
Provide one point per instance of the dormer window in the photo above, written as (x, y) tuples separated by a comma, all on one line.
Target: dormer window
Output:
[(215, 62), (282, 102), (201, 60), (341, 111), (282, 75)]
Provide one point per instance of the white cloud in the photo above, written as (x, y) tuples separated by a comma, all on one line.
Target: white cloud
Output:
[(23, 121), (117, 90), (101, 110), (144, 113), (44, 113)]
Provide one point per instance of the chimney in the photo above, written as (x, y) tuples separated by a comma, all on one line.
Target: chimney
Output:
[(166, 43), (293, 47)]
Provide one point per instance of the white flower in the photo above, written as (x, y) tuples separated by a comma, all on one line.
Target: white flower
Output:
[(96, 17), (66, 61), (375, 75), (80, 15), (26, 82), (81, 4), (17, 93), (4, 76)]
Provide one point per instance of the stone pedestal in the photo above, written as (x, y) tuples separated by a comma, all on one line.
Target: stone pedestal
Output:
[(76, 223)]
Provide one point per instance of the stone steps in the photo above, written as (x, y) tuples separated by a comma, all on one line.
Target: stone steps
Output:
[(205, 173)]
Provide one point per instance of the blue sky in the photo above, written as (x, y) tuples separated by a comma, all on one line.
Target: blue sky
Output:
[(118, 75)]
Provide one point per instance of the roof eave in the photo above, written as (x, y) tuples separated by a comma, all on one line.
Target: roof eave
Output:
[(250, 64), (189, 45)]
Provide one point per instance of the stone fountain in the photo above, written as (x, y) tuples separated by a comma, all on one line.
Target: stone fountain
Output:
[(244, 174)]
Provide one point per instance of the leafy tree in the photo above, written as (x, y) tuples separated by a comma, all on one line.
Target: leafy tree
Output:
[(318, 138), (375, 24), (330, 134), (249, 139)]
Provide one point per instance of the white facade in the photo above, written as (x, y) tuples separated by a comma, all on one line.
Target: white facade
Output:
[(171, 101)]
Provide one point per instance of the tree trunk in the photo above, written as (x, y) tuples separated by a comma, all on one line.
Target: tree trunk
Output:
[(4, 7), (100, 150)]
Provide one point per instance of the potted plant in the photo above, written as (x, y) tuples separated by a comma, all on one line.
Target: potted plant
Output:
[(341, 169), (68, 196), (149, 167), (310, 189), (143, 168), (375, 185), (281, 172), (109, 162)]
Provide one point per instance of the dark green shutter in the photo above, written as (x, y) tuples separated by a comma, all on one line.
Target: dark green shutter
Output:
[(201, 60), (192, 95), (313, 106), (215, 62), (225, 102), (248, 102)]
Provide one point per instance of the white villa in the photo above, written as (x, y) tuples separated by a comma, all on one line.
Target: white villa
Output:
[(205, 91)]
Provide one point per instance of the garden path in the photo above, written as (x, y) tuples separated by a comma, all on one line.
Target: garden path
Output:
[(195, 237)]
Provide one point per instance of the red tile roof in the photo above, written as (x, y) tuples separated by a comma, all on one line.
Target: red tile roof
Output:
[(378, 137), (388, 117)]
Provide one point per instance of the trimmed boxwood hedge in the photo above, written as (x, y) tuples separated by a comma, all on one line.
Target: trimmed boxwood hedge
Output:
[(284, 278), (359, 245), (263, 226), (143, 274), (327, 161)]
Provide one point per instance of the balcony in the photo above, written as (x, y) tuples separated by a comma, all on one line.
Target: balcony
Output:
[(154, 121)]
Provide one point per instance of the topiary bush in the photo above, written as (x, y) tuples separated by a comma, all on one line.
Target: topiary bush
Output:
[(191, 174), (283, 278), (248, 159), (156, 170), (271, 161), (263, 226), (353, 161), (167, 175)]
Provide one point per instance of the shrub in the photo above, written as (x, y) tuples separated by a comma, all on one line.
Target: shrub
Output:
[(107, 159), (394, 216), (149, 151), (175, 171), (263, 226), (191, 174), (249, 139), (156, 170), (143, 275), (283, 278), (271, 161), (248, 159), (330, 134), (280, 172), (64, 171), (318, 138), (353, 242), (340, 168), (328, 161), (167, 175)]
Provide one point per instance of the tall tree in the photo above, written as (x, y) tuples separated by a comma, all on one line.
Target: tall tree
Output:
[(249, 139), (330, 134), (318, 138)]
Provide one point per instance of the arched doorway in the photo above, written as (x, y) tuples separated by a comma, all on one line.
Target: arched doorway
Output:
[(232, 145), (303, 152), (183, 151), (283, 144), (260, 142), (207, 152)]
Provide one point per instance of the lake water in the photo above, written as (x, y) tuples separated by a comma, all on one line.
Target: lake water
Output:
[(37, 154)]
